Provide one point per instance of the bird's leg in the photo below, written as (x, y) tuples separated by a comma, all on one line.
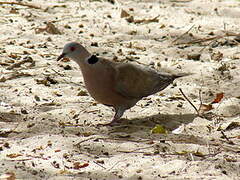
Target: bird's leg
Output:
[(118, 114)]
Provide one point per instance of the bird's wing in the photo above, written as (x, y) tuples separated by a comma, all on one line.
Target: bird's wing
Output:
[(136, 81)]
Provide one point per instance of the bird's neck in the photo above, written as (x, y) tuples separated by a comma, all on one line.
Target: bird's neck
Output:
[(86, 62), (81, 59)]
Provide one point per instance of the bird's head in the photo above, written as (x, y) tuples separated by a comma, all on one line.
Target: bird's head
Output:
[(74, 51)]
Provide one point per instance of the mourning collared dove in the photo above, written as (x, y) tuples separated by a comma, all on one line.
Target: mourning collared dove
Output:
[(120, 85)]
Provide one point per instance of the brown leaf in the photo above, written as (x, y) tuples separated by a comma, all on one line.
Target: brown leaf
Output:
[(218, 98), (55, 164), (13, 155), (14, 56), (50, 28), (8, 176), (217, 56), (14, 11), (204, 108), (124, 14), (145, 21), (77, 165)]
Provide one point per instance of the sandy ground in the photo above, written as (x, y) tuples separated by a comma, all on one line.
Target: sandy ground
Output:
[(48, 122)]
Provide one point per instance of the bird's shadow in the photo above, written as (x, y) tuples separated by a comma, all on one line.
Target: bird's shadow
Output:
[(168, 121)]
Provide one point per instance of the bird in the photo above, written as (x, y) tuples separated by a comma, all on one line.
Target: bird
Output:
[(117, 84)]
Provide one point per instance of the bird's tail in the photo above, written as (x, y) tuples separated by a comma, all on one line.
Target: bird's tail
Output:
[(175, 76)]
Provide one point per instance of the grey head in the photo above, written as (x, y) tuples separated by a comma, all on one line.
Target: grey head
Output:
[(74, 51)]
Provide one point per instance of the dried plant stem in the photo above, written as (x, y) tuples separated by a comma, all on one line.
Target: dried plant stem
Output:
[(21, 4), (189, 101)]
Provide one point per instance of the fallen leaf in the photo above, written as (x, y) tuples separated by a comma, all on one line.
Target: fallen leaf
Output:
[(13, 155), (158, 129), (50, 28), (229, 125), (14, 56), (217, 56), (218, 98), (65, 172), (155, 19), (124, 14), (199, 154), (195, 57), (14, 11), (204, 108), (8, 176), (82, 93), (179, 130), (78, 165), (55, 164)]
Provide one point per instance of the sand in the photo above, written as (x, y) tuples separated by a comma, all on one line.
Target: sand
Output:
[(49, 123)]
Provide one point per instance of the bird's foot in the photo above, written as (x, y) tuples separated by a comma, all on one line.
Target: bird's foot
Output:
[(112, 123)]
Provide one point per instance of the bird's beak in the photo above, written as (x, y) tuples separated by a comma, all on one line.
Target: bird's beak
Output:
[(61, 56)]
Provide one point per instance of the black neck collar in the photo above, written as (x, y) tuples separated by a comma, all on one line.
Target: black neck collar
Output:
[(93, 59)]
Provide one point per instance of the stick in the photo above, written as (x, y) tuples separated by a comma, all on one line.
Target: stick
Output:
[(132, 151), (225, 137), (113, 166), (99, 165), (183, 34), (227, 34), (188, 100), (21, 4)]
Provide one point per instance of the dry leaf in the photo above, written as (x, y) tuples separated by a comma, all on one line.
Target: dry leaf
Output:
[(14, 11), (194, 56), (82, 93), (65, 172), (155, 19), (8, 176), (229, 125), (204, 108), (25, 60), (50, 28), (78, 165), (124, 14), (179, 130), (218, 98), (55, 164), (217, 56), (14, 56), (158, 129), (13, 155)]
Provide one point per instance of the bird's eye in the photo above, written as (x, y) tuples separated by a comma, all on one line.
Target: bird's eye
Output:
[(72, 48)]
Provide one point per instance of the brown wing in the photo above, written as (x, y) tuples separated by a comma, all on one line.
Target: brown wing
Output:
[(135, 81)]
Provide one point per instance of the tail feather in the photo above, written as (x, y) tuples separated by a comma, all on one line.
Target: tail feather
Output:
[(175, 76)]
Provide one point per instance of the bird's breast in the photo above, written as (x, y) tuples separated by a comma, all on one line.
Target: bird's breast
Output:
[(99, 82)]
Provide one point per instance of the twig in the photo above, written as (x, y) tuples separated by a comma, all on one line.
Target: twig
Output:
[(99, 165), (114, 165), (146, 20), (201, 50), (85, 140), (180, 1), (225, 137), (200, 98), (188, 100), (21, 4), (135, 150), (62, 75), (18, 64), (227, 34), (183, 34), (200, 93), (191, 156)]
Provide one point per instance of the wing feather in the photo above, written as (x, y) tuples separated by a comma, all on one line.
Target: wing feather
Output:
[(136, 81)]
